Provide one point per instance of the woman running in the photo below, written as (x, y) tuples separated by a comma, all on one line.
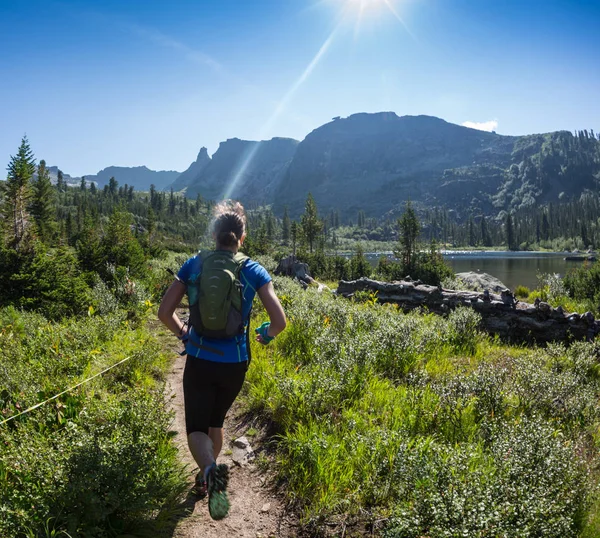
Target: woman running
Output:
[(217, 341)]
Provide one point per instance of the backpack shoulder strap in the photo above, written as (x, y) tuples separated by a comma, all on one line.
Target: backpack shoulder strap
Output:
[(240, 260), (203, 255)]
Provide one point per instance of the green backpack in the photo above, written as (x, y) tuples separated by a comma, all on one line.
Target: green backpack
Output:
[(216, 295)]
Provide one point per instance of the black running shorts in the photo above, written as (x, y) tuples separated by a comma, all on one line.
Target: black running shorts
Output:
[(209, 390)]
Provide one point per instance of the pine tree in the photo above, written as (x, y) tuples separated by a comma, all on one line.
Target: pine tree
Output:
[(17, 194), (93, 189), (270, 226), (286, 226), (472, 239), (172, 202), (153, 198), (42, 204), (360, 221), (409, 228), (485, 235), (113, 187), (510, 233), (311, 225), (294, 236), (82, 185), (60, 182)]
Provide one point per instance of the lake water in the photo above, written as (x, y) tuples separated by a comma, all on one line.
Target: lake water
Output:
[(512, 268)]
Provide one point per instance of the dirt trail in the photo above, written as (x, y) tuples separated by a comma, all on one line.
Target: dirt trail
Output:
[(256, 509)]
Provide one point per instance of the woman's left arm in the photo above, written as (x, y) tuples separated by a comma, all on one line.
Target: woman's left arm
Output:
[(166, 310)]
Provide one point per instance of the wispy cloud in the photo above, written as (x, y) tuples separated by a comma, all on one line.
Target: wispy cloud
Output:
[(166, 41), (488, 126)]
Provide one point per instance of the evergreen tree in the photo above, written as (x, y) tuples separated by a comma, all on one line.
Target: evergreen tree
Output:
[(113, 187), (153, 202), (69, 228), (510, 233), (172, 202), (270, 226), (545, 227), (311, 225), (584, 236), (485, 234), (359, 265), (286, 226), (60, 182), (360, 221), (42, 204), (294, 236), (409, 228), (17, 194), (93, 189), (82, 185), (472, 239)]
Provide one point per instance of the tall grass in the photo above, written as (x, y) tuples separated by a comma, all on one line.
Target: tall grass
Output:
[(419, 425), (97, 461)]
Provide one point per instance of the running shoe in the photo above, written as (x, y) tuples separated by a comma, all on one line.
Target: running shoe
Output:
[(217, 479), (200, 489)]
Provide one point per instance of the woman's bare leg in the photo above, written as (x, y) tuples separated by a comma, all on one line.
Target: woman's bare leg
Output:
[(216, 436)]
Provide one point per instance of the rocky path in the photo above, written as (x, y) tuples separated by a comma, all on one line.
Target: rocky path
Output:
[(257, 511)]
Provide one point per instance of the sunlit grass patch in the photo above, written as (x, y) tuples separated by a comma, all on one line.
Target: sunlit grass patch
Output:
[(426, 423)]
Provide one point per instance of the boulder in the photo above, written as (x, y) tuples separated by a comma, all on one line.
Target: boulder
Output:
[(242, 453), (291, 266), (481, 281)]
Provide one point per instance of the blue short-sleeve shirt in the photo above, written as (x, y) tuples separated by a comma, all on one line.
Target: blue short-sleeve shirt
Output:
[(253, 277)]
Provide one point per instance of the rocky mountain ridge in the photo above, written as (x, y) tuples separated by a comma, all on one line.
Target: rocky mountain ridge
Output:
[(140, 177), (375, 162)]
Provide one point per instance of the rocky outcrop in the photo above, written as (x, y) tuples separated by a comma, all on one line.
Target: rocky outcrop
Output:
[(246, 170), (481, 281), (501, 315), (194, 170), (291, 266)]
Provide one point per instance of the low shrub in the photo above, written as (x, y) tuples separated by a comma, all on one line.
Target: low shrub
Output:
[(522, 292)]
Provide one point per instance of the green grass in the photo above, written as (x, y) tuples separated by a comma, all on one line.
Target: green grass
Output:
[(425, 424), (97, 461)]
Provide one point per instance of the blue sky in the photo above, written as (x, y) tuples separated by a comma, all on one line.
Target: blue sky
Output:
[(100, 83)]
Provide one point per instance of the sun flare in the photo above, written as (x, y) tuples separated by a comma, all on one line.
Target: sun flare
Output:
[(356, 11)]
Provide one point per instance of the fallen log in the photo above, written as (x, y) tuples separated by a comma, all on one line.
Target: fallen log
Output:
[(501, 315)]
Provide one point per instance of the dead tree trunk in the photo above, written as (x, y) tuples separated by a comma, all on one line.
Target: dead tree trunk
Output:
[(501, 315)]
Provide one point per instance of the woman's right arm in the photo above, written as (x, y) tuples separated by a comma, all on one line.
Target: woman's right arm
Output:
[(274, 309), (170, 301)]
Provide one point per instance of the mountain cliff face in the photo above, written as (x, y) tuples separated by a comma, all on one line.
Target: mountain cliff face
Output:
[(250, 171), (195, 169), (140, 177), (375, 162)]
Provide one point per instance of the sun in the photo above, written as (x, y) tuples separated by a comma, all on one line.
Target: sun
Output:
[(355, 11), (362, 7)]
